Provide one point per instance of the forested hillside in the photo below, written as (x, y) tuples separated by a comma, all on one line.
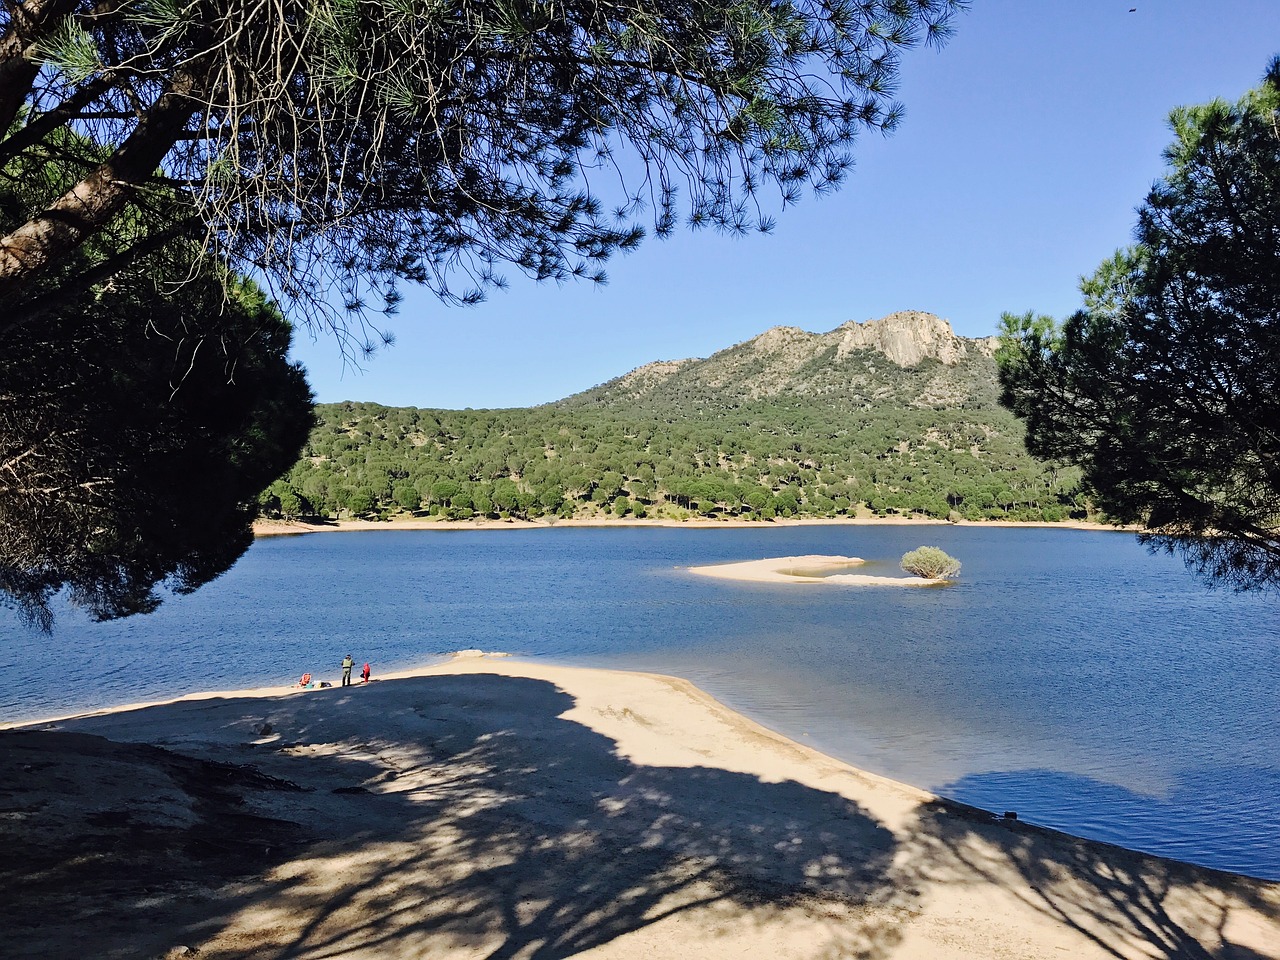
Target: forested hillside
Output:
[(894, 416)]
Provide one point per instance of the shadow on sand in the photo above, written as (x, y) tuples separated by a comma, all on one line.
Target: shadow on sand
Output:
[(1124, 903), (470, 816), (467, 815)]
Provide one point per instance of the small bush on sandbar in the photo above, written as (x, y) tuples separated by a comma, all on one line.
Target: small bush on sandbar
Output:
[(930, 563)]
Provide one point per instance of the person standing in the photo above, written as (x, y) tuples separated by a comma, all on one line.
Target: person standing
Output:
[(364, 674), (347, 664)]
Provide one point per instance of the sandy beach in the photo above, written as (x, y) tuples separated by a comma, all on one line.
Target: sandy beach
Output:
[(269, 528), (496, 808)]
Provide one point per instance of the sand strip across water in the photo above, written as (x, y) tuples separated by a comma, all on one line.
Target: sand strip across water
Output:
[(488, 808), (811, 568)]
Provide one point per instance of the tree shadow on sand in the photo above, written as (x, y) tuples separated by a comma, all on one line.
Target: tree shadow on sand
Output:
[(479, 820), (1126, 904)]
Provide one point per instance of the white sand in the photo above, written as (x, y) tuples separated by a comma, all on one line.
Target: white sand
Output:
[(496, 808), (811, 568)]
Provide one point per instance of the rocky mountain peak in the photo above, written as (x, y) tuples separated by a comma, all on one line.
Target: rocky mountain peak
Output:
[(845, 362), (908, 337)]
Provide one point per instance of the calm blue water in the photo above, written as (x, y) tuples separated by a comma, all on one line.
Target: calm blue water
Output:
[(1069, 675)]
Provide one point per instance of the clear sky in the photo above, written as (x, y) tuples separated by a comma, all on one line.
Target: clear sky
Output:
[(1028, 142)]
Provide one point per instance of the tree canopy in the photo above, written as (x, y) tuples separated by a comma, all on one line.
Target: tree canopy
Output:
[(136, 453), (849, 436), (1165, 387), (317, 143), (138, 420)]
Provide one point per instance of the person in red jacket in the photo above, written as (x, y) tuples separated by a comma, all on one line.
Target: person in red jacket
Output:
[(364, 674)]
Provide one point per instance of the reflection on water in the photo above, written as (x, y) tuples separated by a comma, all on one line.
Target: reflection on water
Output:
[(1079, 667)]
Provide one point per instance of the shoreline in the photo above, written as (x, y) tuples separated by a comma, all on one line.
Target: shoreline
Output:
[(623, 814), (269, 528)]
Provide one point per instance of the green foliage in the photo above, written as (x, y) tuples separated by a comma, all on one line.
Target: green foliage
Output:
[(143, 415), (138, 423), (375, 142), (845, 438), (406, 496), (282, 500), (1164, 389), (930, 563)]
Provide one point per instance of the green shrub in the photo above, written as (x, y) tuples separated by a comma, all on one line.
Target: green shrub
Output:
[(930, 563)]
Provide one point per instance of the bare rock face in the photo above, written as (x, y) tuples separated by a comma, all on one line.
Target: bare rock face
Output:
[(781, 338), (908, 337)]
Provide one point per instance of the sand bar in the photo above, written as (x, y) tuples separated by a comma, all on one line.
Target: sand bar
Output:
[(810, 569), (498, 808)]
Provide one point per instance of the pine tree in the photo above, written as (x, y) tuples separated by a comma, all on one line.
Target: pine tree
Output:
[(1165, 388)]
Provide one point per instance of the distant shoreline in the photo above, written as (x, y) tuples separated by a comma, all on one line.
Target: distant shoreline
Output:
[(269, 528)]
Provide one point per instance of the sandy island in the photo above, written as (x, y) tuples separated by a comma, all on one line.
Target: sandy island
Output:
[(811, 568), (496, 808)]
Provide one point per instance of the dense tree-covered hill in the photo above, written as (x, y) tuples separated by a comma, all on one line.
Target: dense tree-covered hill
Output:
[(893, 416)]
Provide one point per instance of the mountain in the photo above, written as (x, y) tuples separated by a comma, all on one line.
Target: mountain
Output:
[(908, 358), (897, 415)]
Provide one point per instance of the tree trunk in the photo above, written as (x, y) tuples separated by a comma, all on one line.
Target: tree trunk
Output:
[(94, 201), (30, 23)]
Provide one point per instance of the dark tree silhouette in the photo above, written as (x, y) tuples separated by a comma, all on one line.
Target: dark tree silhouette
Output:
[(325, 142), (1165, 388), (138, 422)]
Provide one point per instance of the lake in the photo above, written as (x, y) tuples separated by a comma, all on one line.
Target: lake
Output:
[(1068, 675)]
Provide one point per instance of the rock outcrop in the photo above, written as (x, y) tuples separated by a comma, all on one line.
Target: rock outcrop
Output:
[(909, 337), (642, 379)]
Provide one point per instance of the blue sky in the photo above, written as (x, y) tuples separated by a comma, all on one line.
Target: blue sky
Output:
[(1028, 142)]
